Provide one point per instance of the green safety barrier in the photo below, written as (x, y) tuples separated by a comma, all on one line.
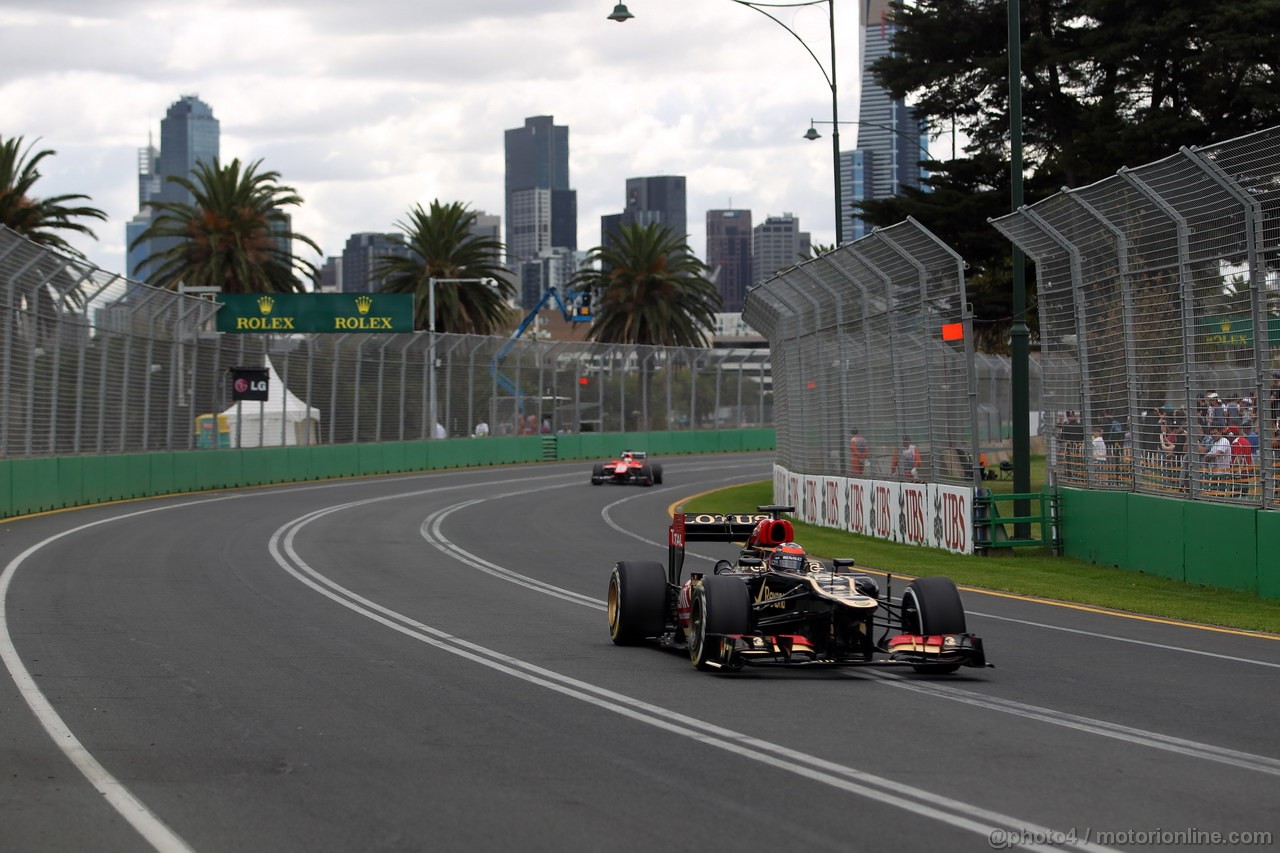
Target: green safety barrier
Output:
[(48, 483), (1198, 542)]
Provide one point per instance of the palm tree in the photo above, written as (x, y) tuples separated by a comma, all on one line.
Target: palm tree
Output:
[(652, 290), (49, 285), (39, 220), (234, 236), (441, 245), (816, 250)]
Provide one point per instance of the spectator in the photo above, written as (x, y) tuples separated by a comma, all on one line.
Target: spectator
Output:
[(1180, 440), (859, 451), (1216, 412), (1232, 409), (1099, 446), (440, 431), (1254, 441), (482, 429), (1217, 456), (1241, 448), (1168, 439), (907, 460), (1073, 430), (1241, 461), (546, 426)]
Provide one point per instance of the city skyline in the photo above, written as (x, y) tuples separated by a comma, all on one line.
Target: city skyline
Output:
[(348, 117)]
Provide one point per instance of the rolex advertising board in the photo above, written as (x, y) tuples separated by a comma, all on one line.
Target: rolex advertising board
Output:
[(287, 313)]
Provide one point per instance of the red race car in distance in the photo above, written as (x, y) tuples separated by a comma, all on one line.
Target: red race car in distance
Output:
[(632, 467)]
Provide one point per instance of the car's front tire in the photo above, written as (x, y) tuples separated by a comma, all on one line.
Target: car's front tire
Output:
[(637, 602), (657, 474), (932, 606), (720, 604), (646, 475)]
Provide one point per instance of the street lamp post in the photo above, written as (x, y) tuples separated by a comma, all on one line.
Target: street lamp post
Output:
[(812, 133), (621, 14), (431, 345), (1019, 344)]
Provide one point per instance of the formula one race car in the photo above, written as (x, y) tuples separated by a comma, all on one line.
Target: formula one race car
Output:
[(777, 606), (631, 466)]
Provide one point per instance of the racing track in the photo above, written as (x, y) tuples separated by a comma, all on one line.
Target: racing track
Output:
[(421, 662)]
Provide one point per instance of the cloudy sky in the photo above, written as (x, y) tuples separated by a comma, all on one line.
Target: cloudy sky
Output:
[(368, 108)]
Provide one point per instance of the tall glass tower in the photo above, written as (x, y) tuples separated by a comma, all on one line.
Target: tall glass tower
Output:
[(188, 135), (537, 159), (892, 139)]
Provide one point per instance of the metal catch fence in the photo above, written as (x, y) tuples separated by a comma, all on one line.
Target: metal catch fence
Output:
[(1159, 299), (93, 363), (873, 360)]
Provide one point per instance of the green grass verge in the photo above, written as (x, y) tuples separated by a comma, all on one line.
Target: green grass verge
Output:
[(1021, 572)]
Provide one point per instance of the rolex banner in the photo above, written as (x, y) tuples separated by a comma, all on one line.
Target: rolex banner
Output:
[(285, 313)]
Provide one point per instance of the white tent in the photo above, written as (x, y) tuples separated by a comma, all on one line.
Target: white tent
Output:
[(282, 419)]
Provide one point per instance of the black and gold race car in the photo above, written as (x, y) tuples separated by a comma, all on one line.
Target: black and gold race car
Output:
[(775, 605)]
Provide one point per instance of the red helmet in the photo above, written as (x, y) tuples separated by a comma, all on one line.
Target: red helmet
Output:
[(788, 557)]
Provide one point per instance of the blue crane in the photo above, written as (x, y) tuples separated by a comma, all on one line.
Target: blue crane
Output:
[(577, 309)]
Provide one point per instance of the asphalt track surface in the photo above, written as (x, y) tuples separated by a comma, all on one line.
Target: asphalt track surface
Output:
[(423, 663)]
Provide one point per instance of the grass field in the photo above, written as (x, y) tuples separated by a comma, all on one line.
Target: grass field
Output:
[(1034, 574)]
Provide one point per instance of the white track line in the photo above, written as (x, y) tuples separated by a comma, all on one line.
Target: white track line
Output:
[(129, 807), (934, 806), (1141, 737), (1165, 646)]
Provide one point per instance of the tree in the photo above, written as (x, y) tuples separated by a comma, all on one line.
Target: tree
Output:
[(234, 236), (1106, 83), (652, 290), (44, 288), (441, 245), (817, 250), (39, 220)]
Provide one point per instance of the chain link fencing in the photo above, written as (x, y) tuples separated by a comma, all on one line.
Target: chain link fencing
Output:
[(872, 353), (1159, 301), (92, 363)]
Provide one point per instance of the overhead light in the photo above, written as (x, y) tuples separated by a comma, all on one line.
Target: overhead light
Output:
[(620, 13), (812, 133)]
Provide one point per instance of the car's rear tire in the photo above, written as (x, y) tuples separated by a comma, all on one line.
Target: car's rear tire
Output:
[(646, 475), (932, 606), (720, 605), (637, 602), (657, 474)]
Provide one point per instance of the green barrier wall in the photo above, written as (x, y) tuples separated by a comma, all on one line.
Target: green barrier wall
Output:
[(38, 485), (1228, 547)]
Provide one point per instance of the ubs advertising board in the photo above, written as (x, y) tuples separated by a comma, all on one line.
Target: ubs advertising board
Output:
[(932, 515)]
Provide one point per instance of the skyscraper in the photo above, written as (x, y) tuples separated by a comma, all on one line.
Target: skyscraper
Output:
[(188, 135), (360, 259), (659, 199), (537, 158), (729, 254), (779, 244), (890, 135)]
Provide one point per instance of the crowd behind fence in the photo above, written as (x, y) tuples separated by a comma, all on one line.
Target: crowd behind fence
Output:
[(1159, 302), (873, 362), (92, 363)]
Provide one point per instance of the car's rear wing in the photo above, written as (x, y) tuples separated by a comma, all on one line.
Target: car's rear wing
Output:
[(712, 527)]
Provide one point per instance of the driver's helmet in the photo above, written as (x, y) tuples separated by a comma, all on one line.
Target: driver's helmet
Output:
[(788, 557)]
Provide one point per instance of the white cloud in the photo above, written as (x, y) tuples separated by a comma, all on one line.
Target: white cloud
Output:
[(367, 109)]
